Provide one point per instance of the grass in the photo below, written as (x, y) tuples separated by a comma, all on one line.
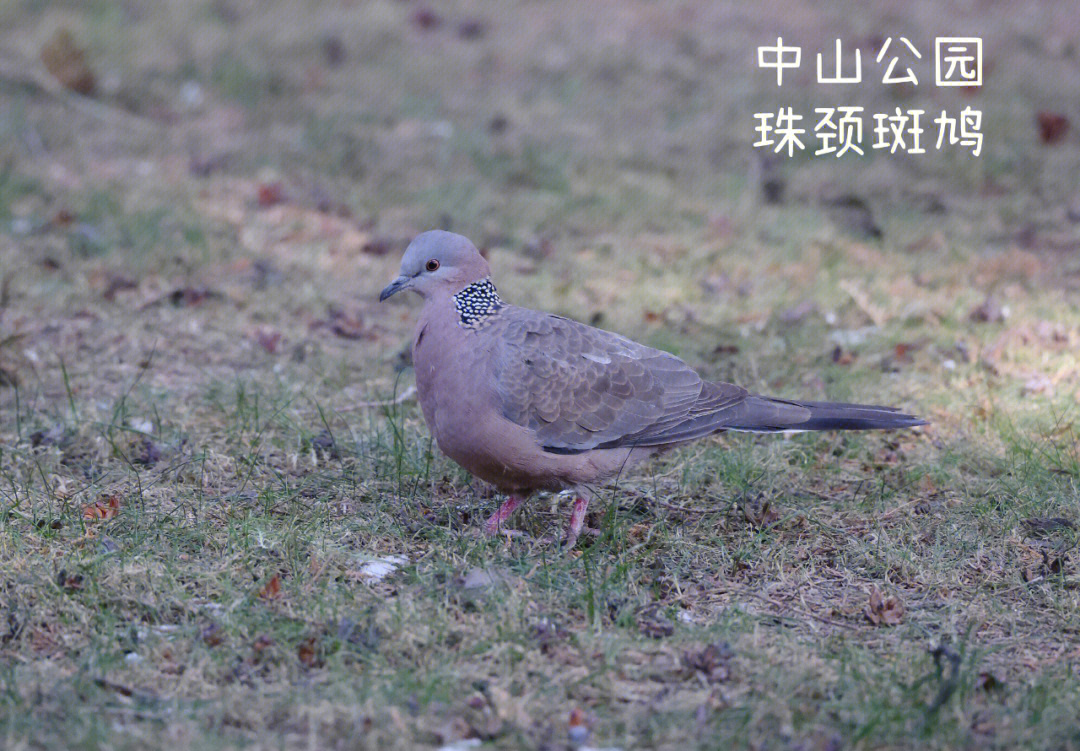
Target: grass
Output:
[(193, 494)]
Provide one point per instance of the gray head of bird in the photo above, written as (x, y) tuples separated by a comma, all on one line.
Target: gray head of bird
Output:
[(435, 262)]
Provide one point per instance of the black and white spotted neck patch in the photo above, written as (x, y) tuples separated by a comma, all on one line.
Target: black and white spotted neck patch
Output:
[(477, 302)]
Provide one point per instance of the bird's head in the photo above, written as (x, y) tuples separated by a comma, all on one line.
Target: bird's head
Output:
[(438, 261)]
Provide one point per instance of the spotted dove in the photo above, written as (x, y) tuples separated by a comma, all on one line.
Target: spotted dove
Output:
[(531, 401)]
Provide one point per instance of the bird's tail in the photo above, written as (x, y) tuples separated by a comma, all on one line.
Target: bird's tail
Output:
[(764, 414)]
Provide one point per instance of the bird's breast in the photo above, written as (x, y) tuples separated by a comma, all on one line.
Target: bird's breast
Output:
[(450, 365)]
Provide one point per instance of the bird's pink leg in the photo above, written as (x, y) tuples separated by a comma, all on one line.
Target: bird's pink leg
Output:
[(577, 520), (495, 521)]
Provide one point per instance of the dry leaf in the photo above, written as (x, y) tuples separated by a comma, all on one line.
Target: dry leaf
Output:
[(187, 297), (471, 29), (426, 19), (759, 512), (268, 338), (1046, 526), (989, 311), (308, 653), (269, 194), (841, 356), (212, 635), (988, 681), (654, 624), (712, 661), (70, 583), (272, 589), (883, 611), (67, 62), (1053, 126), (261, 644), (347, 324), (106, 507)]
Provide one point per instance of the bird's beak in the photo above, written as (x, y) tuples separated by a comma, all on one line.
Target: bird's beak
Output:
[(402, 282)]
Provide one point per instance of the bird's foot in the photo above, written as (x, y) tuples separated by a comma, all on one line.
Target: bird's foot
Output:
[(577, 522), (493, 525)]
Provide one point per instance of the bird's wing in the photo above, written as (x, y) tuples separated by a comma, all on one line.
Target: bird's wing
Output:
[(581, 388)]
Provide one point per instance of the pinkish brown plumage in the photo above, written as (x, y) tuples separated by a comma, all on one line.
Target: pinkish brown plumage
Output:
[(532, 401)]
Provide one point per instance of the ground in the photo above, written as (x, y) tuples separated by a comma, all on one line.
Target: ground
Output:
[(222, 519)]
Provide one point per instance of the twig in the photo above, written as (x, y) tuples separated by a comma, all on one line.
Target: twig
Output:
[(819, 494), (897, 509), (669, 506), (404, 396), (872, 311), (15, 512), (147, 697), (19, 72), (805, 614)]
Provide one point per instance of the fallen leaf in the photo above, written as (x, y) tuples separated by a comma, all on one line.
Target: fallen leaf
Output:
[(883, 611), (1045, 526), (149, 452), (308, 653), (54, 435), (987, 681), (325, 442), (272, 589), (204, 166), (212, 635), (712, 661), (854, 214), (759, 511), (377, 569), (902, 351), (268, 338), (378, 246), (70, 583), (1054, 562), (106, 507), (654, 624), (1037, 384), (988, 311), (269, 194), (63, 217), (66, 61), (842, 356), (482, 578), (799, 312), (1053, 126), (333, 50), (117, 283), (349, 325), (471, 29), (539, 248), (426, 19), (186, 297)]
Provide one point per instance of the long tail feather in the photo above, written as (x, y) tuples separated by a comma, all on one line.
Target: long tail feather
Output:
[(763, 413)]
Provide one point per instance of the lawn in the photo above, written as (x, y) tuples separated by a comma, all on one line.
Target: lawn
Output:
[(223, 522)]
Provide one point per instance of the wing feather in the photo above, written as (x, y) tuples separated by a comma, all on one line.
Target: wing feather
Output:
[(581, 388)]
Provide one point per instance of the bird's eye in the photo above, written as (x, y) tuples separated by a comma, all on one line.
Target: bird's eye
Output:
[(432, 265)]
